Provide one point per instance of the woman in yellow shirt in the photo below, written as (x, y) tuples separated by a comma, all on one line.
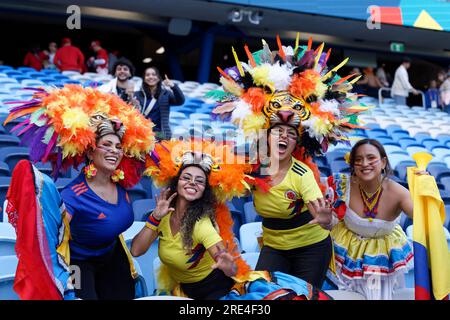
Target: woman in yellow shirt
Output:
[(189, 244), (294, 213), (198, 255)]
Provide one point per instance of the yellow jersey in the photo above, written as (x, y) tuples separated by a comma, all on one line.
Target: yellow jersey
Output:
[(287, 200), (183, 266)]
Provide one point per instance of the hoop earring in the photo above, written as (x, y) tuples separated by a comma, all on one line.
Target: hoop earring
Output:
[(90, 170)]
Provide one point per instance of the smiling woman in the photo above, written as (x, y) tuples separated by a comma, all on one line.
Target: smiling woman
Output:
[(69, 126), (372, 253)]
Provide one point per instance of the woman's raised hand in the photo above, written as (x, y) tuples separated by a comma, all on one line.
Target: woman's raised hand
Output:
[(163, 204), (167, 82), (321, 211)]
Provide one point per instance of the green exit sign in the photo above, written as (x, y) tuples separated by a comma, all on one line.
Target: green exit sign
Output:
[(397, 47)]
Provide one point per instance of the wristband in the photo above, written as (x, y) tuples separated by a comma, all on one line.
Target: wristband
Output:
[(152, 222)]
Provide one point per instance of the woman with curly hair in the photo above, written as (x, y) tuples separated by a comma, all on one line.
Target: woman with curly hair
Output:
[(189, 225)]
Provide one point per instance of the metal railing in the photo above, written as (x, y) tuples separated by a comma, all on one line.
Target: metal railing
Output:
[(380, 95)]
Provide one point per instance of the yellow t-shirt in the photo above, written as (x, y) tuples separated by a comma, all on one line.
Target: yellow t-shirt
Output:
[(286, 200), (188, 267)]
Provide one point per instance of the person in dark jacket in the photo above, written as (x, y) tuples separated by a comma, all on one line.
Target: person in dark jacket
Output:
[(155, 98)]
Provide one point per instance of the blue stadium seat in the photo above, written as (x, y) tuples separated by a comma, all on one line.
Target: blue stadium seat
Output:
[(251, 258), (50, 71), (146, 264), (4, 169), (26, 69), (137, 193), (372, 126), (7, 140), (32, 83), (60, 183), (250, 213), (4, 68), (421, 136), (5, 81), (443, 138), (438, 170), (141, 289), (321, 161), (430, 144), (12, 155), (384, 139), (339, 166), (374, 133), (142, 208), (336, 154), (411, 150), (12, 73), (69, 81), (405, 221), (446, 183), (325, 171), (393, 128), (440, 152), (22, 78), (249, 233), (402, 167), (8, 266), (4, 186), (7, 237)]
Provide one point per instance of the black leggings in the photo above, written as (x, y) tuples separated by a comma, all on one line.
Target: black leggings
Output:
[(106, 277), (309, 263), (213, 287)]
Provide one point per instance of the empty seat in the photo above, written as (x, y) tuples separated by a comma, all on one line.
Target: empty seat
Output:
[(339, 166), (251, 258), (250, 213), (137, 193), (249, 234), (12, 155), (8, 266), (7, 140), (142, 208)]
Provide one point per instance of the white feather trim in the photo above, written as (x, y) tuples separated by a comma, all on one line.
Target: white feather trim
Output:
[(280, 76), (331, 106), (242, 110)]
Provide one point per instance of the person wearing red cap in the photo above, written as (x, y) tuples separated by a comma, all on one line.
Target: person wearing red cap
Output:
[(100, 61), (68, 57)]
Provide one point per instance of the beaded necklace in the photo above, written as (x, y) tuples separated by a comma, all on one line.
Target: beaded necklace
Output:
[(371, 201)]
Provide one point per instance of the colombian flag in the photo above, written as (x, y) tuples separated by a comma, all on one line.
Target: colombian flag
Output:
[(431, 254)]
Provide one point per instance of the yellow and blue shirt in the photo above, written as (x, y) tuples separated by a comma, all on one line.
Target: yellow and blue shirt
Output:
[(288, 200), (96, 223), (193, 265)]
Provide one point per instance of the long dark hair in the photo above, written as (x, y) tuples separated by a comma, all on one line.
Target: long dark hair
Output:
[(146, 87), (196, 210), (380, 148)]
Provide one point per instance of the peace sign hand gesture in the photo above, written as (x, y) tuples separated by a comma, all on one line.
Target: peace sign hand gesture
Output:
[(163, 204), (167, 82)]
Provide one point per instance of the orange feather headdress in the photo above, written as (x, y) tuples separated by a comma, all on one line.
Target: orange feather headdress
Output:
[(64, 123)]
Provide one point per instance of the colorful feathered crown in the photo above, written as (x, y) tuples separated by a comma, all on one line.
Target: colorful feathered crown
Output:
[(228, 173), (64, 123), (291, 86)]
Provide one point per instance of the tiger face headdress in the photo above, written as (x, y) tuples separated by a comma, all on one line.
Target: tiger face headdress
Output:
[(292, 86), (65, 123)]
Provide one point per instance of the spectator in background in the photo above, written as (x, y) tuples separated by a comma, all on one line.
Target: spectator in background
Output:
[(370, 82), (50, 55), (121, 85), (34, 58), (112, 59), (432, 98), (155, 98), (445, 93), (69, 57), (356, 87), (382, 76), (99, 63), (401, 86)]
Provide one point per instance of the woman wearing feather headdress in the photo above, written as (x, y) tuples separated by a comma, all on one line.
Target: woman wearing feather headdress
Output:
[(198, 256), (67, 127), (291, 100)]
